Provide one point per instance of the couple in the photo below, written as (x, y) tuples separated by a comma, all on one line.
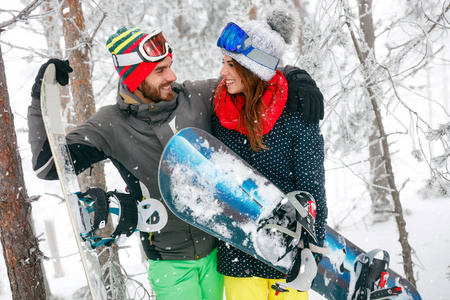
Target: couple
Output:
[(268, 117)]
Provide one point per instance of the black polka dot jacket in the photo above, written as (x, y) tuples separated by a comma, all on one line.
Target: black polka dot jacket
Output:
[(294, 161)]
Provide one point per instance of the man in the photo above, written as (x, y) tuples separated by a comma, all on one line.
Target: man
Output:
[(150, 108)]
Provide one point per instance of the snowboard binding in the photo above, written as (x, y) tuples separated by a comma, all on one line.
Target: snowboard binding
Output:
[(299, 230), (147, 215), (100, 205), (371, 277), (302, 273)]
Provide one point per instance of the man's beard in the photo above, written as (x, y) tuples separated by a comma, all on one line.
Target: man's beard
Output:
[(153, 94)]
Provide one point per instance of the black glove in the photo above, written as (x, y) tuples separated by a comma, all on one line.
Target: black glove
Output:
[(304, 96), (62, 75)]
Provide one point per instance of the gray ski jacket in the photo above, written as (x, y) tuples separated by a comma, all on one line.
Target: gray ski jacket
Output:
[(133, 136)]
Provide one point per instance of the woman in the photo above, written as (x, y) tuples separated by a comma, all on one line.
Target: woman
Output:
[(251, 118)]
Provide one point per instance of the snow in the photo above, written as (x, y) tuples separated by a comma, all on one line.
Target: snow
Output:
[(427, 219), (195, 181)]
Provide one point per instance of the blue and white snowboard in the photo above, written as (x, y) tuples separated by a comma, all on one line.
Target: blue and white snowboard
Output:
[(207, 185)]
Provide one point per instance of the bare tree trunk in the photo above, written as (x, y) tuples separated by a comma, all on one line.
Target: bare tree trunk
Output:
[(398, 210), (54, 251), (379, 187), (298, 6), (252, 12), (52, 33), (180, 21), (386, 158), (23, 257), (84, 108)]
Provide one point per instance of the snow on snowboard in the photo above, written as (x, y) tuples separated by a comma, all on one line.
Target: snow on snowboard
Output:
[(207, 185)]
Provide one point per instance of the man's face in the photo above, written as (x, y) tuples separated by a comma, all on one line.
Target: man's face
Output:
[(156, 87)]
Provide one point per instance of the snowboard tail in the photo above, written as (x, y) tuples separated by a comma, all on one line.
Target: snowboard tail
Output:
[(336, 271)]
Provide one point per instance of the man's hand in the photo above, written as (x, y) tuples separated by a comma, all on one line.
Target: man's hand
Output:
[(304, 96), (62, 75)]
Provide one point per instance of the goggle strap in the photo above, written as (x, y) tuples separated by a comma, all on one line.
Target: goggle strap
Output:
[(263, 58), (247, 43), (127, 59)]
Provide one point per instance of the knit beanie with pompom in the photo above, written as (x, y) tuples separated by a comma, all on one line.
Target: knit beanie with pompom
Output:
[(269, 36)]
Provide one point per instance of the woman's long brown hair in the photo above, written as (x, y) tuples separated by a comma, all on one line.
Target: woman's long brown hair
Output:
[(251, 114)]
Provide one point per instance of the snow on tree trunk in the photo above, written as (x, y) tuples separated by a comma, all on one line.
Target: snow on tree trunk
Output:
[(379, 187), (23, 257)]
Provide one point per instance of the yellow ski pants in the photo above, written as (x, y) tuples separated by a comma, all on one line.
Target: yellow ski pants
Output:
[(256, 288)]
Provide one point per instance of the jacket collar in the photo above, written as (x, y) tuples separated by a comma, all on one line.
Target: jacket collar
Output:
[(153, 113)]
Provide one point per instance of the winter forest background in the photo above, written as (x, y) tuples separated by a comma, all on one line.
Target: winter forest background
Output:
[(391, 57)]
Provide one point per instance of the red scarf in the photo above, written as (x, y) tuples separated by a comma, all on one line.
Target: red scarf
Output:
[(228, 110)]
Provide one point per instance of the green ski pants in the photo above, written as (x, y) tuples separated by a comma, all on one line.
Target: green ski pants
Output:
[(186, 279)]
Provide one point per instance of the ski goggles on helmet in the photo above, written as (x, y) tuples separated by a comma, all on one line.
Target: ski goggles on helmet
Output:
[(234, 39), (153, 48)]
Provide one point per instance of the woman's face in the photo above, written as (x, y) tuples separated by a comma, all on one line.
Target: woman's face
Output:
[(232, 79)]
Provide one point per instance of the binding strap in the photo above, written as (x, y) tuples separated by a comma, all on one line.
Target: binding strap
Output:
[(128, 214), (98, 203), (371, 277)]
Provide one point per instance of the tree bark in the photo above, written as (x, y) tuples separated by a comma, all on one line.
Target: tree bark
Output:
[(23, 257)]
